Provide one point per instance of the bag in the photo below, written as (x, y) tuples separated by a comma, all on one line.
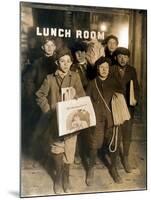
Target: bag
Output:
[(119, 109), (132, 96), (74, 115)]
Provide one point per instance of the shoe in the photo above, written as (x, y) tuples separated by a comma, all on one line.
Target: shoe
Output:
[(126, 164), (90, 176), (58, 187), (115, 175), (58, 161)]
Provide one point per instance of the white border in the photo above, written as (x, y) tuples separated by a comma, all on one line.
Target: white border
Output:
[(9, 99)]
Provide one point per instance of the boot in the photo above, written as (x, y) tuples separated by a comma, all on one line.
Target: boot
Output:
[(127, 135), (66, 183), (77, 158), (58, 161), (126, 164), (115, 175), (90, 170), (90, 176), (113, 168)]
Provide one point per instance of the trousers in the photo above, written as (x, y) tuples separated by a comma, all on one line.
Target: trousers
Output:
[(67, 146)]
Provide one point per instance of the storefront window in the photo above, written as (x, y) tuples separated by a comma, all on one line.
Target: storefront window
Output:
[(116, 24)]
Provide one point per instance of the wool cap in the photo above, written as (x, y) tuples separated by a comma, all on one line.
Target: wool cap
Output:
[(110, 37), (79, 46), (101, 60), (122, 50), (62, 52), (46, 39)]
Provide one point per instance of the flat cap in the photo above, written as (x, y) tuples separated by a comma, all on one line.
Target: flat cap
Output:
[(101, 60), (62, 52), (122, 50), (110, 37), (46, 39), (79, 46)]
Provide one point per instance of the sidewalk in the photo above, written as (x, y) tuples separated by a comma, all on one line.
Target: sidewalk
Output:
[(37, 182)]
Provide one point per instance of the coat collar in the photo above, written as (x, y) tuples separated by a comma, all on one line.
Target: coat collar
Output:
[(57, 73)]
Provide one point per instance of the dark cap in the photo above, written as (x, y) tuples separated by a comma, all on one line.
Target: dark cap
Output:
[(110, 37), (79, 46), (122, 50), (101, 60), (46, 39), (62, 52)]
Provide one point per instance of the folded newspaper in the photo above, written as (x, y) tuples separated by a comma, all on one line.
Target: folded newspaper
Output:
[(74, 115)]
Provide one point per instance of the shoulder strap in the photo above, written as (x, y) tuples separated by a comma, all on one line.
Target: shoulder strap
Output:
[(102, 96)]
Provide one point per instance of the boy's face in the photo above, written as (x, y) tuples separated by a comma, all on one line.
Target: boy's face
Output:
[(49, 48), (112, 45), (122, 60), (65, 63), (80, 56), (103, 70)]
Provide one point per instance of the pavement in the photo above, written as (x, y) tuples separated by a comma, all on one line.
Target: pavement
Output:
[(36, 180)]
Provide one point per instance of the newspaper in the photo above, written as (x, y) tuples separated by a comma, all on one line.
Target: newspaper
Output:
[(74, 115), (67, 93)]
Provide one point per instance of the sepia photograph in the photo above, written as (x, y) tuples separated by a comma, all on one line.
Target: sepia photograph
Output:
[(83, 77)]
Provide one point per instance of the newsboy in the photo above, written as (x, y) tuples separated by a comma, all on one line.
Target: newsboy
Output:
[(62, 150), (86, 73), (127, 77), (111, 43), (101, 90), (32, 81)]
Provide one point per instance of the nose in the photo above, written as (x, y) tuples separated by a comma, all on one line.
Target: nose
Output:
[(65, 63), (104, 69), (79, 54), (122, 58)]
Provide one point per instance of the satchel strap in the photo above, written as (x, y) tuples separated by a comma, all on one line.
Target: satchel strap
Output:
[(114, 139), (102, 96)]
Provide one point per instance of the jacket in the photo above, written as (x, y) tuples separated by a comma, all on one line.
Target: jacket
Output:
[(129, 74), (107, 88), (50, 93)]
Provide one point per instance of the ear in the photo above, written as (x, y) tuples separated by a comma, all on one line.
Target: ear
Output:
[(42, 47), (57, 62)]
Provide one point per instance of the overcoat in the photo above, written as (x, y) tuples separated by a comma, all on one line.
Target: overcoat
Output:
[(47, 97), (39, 70), (31, 82), (129, 74), (104, 118)]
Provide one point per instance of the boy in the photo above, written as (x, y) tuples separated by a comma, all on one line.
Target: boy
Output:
[(61, 149), (32, 81), (101, 91), (125, 73), (42, 66), (86, 73), (111, 44), (81, 64)]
